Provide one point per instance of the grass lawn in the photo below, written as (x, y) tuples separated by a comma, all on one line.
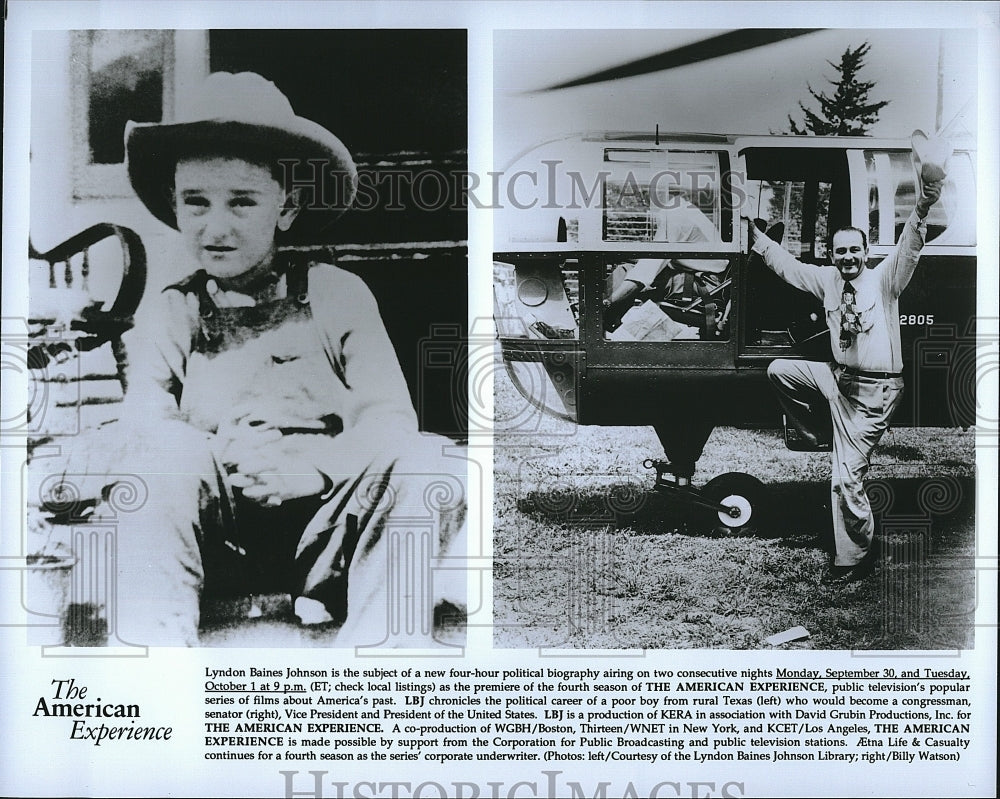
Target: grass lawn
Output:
[(586, 556)]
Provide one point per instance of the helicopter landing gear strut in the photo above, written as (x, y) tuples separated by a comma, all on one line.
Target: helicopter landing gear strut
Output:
[(732, 503)]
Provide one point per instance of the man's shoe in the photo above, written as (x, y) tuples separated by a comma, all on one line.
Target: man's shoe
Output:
[(799, 440), (843, 575), (837, 575)]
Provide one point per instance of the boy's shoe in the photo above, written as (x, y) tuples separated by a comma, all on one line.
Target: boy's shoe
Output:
[(311, 611)]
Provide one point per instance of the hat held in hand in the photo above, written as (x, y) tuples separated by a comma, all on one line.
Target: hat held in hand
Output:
[(245, 116), (930, 157)]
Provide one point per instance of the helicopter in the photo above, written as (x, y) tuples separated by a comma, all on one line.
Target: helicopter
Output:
[(626, 294)]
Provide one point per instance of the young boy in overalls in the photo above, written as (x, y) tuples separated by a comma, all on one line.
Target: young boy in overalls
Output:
[(267, 411)]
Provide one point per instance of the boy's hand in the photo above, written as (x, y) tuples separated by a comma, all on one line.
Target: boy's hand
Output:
[(272, 466), (280, 471)]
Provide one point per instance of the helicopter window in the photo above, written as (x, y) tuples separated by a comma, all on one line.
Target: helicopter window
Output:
[(656, 299), (656, 195), (536, 299), (804, 208), (892, 196)]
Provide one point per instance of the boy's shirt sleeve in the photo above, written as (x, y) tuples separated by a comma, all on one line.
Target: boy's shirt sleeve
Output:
[(378, 410), (158, 348)]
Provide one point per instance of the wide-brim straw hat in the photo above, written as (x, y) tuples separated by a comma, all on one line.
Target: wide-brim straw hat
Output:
[(247, 116)]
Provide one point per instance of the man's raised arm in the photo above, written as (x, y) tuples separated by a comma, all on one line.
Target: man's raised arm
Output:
[(902, 261), (785, 265)]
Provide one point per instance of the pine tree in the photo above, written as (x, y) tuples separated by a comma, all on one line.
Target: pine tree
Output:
[(849, 112)]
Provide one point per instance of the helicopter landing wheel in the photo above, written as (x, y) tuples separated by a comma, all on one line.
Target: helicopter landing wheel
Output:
[(746, 498)]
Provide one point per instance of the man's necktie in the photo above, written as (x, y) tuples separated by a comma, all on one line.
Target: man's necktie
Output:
[(850, 319)]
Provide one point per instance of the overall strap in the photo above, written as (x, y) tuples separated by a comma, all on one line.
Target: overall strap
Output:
[(297, 287), (198, 285)]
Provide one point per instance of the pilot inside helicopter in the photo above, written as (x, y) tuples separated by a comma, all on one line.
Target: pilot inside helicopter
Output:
[(687, 291)]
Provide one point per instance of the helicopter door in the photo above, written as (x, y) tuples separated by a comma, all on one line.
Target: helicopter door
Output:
[(807, 189), (664, 271)]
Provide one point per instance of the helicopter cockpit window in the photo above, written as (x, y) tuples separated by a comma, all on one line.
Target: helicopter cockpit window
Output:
[(892, 196), (659, 195), (663, 299)]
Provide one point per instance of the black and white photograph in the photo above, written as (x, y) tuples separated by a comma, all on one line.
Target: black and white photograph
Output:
[(735, 287), (478, 399), (248, 257)]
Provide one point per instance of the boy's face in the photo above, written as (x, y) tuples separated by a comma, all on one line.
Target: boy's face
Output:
[(228, 211)]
